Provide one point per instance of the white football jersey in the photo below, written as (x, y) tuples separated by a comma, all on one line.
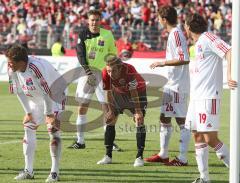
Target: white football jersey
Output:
[(178, 76), (207, 74), (36, 81)]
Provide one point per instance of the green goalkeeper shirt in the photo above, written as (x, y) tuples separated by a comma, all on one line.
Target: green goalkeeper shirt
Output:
[(92, 48)]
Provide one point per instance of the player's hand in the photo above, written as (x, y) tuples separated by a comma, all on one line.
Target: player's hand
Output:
[(232, 84), (27, 118), (157, 64), (50, 119), (91, 80), (138, 118), (109, 117)]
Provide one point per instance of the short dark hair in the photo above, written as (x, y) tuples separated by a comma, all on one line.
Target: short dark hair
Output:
[(112, 59), (169, 13), (197, 24), (17, 53), (94, 12)]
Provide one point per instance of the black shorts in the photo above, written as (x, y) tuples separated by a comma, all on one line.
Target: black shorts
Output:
[(124, 101)]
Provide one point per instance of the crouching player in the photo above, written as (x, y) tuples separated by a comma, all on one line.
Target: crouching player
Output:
[(125, 89), (30, 78)]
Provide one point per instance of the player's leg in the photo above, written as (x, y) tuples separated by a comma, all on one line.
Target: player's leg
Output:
[(84, 94), (109, 137), (165, 135), (29, 141), (55, 147), (29, 145), (100, 94), (219, 147), (140, 131), (185, 135), (202, 152), (165, 129), (179, 105)]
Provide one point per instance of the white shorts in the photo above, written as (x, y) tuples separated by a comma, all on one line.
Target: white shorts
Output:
[(174, 104), (203, 115), (85, 91), (37, 109)]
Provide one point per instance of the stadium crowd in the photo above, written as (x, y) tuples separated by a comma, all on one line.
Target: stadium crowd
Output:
[(36, 23)]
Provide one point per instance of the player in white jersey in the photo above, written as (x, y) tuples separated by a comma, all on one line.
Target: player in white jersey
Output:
[(30, 79), (205, 95), (176, 90)]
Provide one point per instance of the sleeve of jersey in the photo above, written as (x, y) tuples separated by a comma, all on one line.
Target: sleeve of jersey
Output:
[(133, 83), (14, 85), (106, 80), (43, 79), (40, 73), (217, 45), (179, 48), (24, 102), (81, 48), (112, 44)]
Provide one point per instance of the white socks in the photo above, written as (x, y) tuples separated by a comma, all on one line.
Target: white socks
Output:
[(202, 160), (29, 145), (55, 150), (185, 136), (222, 153), (81, 120), (165, 134)]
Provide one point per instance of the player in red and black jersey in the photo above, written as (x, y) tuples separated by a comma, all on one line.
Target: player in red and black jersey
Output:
[(125, 89)]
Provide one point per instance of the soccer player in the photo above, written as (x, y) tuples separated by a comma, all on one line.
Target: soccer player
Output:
[(30, 78), (94, 43), (206, 91), (175, 91), (125, 89)]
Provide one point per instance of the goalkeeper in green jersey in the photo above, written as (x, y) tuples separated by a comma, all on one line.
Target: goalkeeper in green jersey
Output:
[(94, 43)]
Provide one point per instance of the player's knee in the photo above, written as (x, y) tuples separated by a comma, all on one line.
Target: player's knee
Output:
[(30, 126), (55, 138), (198, 138), (212, 142), (164, 119), (83, 108)]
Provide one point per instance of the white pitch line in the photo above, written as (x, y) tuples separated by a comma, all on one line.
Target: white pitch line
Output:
[(88, 136), (10, 142)]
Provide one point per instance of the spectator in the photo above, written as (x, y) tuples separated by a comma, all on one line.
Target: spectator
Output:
[(57, 48)]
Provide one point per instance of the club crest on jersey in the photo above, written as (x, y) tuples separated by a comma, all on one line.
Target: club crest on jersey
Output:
[(29, 82), (200, 48), (100, 43)]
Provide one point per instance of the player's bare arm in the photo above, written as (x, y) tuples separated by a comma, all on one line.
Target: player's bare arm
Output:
[(28, 117), (109, 116), (169, 63), (138, 116), (231, 83)]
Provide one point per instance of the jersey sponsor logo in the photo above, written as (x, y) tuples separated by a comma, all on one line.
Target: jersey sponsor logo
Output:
[(28, 88), (92, 55), (133, 84), (122, 82), (100, 43), (29, 82)]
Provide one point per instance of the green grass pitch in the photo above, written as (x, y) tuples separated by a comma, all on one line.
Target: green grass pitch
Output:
[(80, 165)]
